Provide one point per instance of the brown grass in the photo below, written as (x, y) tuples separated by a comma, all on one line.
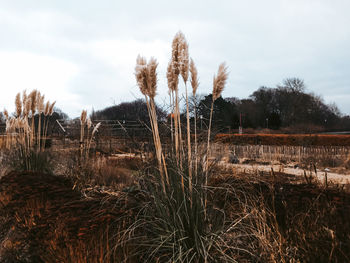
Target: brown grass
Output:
[(44, 220)]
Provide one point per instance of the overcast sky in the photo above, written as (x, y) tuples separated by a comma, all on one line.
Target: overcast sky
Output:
[(82, 53)]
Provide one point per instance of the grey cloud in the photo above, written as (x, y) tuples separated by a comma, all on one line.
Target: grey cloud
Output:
[(261, 41)]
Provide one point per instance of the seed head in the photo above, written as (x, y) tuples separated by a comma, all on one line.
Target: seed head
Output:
[(219, 81), (51, 109), (194, 77), (176, 51), (173, 79), (83, 117), (184, 59), (18, 103)]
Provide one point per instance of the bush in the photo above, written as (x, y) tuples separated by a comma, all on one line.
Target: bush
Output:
[(178, 226), (36, 161)]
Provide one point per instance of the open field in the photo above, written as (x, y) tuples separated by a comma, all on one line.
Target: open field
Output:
[(168, 192), (103, 201), (99, 200), (45, 218)]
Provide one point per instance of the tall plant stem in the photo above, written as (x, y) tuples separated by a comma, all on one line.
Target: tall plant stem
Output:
[(179, 151), (33, 128), (188, 144), (156, 140), (177, 127), (46, 129), (208, 152), (43, 138), (159, 144), (82, 126), (87, 147), (39, 132), (171, 117), (195, 140)]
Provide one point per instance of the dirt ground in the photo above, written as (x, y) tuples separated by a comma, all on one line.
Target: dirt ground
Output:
[(332, 177)]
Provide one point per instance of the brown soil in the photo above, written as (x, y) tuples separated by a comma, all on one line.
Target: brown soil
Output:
[(44, 220)]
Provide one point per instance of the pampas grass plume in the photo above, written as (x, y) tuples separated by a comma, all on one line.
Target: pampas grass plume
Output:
[(47, 108), (184, 59), (83, 117), (219, 81), (33, 97), (96, 128), (41, 104), (141, 74), (146, 76), (152, 76), (172, 78), (175, 56), (18, 103), (51, 108), (194, 77)]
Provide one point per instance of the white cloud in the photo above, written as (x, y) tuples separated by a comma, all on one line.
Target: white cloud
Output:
[(51, 76), (88, 49)]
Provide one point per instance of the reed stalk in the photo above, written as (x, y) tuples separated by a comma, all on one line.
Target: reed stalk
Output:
[(219, 82), (194, 84), (184, 70), (33, 98), (40, 108), (83, 117), (49, 114), (95, 129), (146, 77)]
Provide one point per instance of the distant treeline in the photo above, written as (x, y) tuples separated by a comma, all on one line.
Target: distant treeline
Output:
[(287, 106)]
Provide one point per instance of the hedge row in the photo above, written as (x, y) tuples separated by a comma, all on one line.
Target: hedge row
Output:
[(285, 139)]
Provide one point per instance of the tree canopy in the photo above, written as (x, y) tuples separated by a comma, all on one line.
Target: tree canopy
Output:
[(286, 105)]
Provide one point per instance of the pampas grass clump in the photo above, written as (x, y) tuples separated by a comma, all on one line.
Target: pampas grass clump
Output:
[(177, 225), (27, 142)]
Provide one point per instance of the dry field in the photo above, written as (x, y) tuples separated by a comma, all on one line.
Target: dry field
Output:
[(83, 213), (178, 199)]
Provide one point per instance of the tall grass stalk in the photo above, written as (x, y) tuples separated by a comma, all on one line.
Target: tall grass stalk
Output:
[(219, 82), (33, 106), (146, 77), (184, 70), (194, 84), (48, 116), (86, 139), (83, 119)]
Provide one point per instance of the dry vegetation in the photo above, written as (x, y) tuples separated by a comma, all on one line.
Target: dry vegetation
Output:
[(285, 139), (176, 203)]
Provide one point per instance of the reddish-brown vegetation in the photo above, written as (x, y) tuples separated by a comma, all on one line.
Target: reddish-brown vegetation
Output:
[(285, 139), (44, 220)]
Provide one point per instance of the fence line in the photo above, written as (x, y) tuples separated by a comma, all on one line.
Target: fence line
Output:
[(282, 153)]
